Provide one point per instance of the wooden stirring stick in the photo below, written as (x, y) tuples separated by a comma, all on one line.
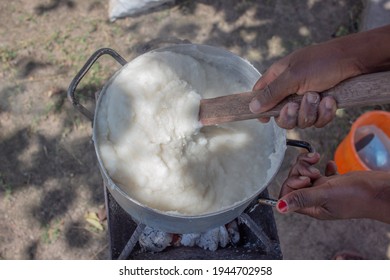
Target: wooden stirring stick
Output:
[(370, 89)]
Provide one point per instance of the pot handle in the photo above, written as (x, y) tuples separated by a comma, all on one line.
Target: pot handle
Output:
[(300, 144), (84, 70), (294, 143)]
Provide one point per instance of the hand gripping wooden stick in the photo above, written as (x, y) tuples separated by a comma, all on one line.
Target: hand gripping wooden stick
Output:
[(369, 89)]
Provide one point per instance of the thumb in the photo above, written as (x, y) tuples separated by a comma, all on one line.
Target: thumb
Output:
[(268, 97), (299, 199)]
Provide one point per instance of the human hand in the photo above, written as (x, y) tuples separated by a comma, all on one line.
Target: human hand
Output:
[(363, 194), (306, 72)]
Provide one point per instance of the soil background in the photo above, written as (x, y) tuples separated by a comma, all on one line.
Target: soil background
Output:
[(49, 176)]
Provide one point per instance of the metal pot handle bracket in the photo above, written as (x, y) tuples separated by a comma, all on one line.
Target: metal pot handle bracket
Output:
[(300, 144), (294, 143), (84, 70)]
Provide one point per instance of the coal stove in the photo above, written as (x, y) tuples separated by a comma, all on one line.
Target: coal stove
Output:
[(257, 227), (259, 239)]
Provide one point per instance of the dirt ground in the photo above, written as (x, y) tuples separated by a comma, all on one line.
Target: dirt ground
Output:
[(49, 177)]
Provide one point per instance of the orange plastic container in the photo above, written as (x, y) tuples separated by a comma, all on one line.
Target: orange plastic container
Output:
[(346, 156)]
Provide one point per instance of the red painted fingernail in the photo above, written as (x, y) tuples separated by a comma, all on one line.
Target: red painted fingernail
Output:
[(282, 206)]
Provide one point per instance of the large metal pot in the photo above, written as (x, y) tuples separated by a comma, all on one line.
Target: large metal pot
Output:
[(170, 222)]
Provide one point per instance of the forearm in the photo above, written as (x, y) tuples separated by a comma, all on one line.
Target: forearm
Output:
[(369, 50)]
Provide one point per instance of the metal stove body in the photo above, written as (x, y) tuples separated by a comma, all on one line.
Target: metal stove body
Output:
[(257, 227)]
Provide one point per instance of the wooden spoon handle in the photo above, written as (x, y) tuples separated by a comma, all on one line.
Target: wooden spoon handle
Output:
[(370, 89)]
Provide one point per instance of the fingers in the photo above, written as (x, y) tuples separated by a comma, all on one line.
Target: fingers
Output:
[(276, 84), (271, 94), (301, 199), (301, 174), (331, 169), (288, 116), (303, 166), (272, 73), (326, 111), (311, 112), (264, 80), (294, 183), (296, 196), (308, 111)]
